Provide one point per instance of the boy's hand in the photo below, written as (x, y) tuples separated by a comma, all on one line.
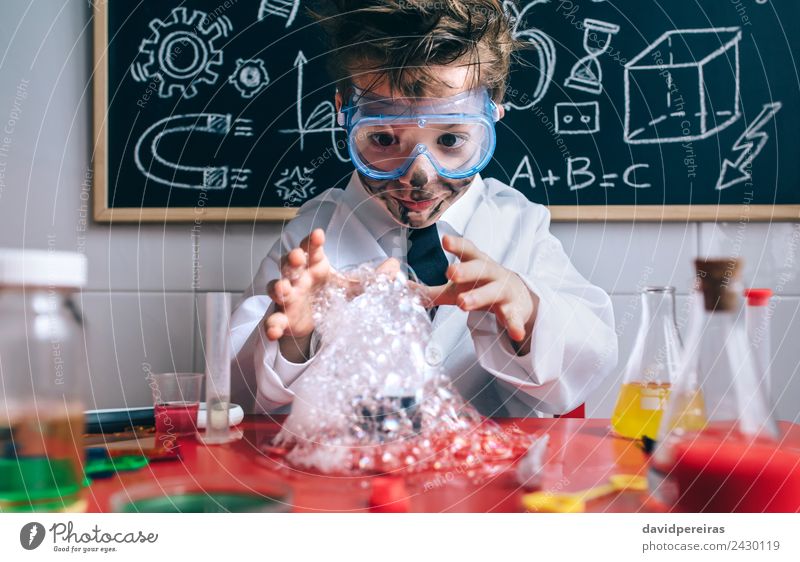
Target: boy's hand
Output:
[(477, 282), (303, 270)]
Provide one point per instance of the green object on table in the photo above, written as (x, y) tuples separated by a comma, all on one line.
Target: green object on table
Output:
[(39, 481), (103, 468), (201, 502)]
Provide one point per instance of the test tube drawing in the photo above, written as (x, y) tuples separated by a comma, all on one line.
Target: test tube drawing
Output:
[(218, 367)]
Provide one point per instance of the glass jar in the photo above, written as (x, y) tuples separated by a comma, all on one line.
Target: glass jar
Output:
[(43, 376)]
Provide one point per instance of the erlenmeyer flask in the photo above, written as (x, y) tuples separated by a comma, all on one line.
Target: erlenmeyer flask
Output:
[(717, 435), (651, 367)]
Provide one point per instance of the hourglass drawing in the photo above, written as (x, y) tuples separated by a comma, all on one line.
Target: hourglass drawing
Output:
[(587, 74)]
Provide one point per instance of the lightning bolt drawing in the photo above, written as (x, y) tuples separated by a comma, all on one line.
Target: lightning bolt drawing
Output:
[(748, 145), (34, 532)]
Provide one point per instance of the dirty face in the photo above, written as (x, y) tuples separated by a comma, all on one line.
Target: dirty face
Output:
[(419, 197)]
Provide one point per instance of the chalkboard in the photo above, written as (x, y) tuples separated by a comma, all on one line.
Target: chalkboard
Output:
[(617, 110)]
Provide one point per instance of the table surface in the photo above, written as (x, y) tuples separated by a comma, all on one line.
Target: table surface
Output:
[(582, 453)]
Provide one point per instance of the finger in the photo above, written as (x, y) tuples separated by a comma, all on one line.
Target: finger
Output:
[(295, 264), (482, 298), (313, 245), (276, 325), (509, 319), (461, 247), (435, 296), (473, 272), (290, 258), (390, 267), (271, 289), (282, 293)]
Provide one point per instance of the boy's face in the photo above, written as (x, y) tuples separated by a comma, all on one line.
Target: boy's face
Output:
[(419, 197)]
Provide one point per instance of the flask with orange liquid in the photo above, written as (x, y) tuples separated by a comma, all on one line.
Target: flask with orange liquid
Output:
[(650, 368)]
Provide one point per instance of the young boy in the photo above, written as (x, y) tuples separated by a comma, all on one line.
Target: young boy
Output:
[(419, 86)]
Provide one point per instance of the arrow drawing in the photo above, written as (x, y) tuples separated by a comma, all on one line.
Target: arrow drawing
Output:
[(322, 118), (748, 145)]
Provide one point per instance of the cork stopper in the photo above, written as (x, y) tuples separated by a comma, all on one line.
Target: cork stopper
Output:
[(715, 277)]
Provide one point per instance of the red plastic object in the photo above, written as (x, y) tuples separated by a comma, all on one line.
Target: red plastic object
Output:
[(579, 412), (736, 477), (389, 495), (758, 297)]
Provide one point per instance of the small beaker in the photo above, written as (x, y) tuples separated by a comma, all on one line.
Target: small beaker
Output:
[(176, 400)]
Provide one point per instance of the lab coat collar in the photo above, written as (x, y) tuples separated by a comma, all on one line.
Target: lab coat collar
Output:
[(458, 215), (378, 221)]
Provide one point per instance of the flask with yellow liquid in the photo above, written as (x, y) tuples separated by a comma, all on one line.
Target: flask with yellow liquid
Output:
[(651, 367)]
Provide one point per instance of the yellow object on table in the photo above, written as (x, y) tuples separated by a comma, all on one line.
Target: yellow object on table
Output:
[(575, 502)]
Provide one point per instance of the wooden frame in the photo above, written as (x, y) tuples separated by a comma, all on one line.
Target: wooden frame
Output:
[(560, 213), (674, 213)]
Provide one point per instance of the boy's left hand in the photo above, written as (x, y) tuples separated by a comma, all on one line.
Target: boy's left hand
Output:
[(478, 282)]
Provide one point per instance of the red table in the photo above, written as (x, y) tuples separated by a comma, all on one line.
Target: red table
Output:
[(582, 453)]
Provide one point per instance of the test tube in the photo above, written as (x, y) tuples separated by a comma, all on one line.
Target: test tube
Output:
[(757, 321), (218, 368)]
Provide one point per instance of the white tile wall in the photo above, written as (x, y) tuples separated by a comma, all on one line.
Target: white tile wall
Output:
[(623, 257), (231, 254), (147, 257), (129, 334), (143, 279)]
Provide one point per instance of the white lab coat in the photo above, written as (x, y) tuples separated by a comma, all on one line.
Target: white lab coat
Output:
[(574, 345)]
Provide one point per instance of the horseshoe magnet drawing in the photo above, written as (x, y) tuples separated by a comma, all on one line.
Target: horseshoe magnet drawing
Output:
[(160, 169)]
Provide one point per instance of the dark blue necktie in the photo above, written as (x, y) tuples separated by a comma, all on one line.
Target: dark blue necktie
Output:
[(426, 256)]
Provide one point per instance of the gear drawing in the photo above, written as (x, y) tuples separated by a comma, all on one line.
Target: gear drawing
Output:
[(181, 52), (250, 77)]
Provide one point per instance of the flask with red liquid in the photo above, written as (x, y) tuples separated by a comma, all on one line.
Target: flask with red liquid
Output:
[(719, 447)]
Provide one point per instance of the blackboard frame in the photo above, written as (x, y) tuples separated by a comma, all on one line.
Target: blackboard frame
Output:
[(105, 213)]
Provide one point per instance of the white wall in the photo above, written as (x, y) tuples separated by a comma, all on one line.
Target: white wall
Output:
[(139, 305)]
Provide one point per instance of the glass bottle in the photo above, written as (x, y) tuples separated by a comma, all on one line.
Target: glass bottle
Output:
[(651, 367), (717, 413), (43, 378)]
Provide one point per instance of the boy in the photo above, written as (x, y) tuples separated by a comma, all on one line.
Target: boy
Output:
[(419, 88)]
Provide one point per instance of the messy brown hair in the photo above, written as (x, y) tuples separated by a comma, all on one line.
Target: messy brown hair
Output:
[(400, 39)]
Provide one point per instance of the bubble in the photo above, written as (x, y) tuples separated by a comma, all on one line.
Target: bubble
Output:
[(370, 402)]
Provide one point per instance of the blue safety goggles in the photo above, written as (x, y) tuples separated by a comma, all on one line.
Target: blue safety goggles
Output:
[(386, 135)]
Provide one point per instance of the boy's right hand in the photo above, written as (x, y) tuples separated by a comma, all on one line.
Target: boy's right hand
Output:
[(303, 270)]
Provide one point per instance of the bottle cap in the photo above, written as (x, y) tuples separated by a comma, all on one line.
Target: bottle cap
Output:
[(758, 297), (714, 277), (42, 268)]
